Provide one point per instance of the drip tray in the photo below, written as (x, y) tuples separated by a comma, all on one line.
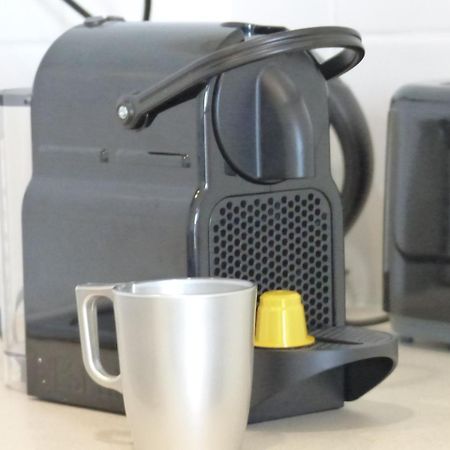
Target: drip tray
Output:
[(343, 364)]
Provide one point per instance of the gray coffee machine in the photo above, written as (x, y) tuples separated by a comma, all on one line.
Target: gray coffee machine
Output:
[(416, 238), (168, 150)]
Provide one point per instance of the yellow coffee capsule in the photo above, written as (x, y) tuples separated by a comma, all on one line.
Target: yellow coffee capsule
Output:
[(280, 321)]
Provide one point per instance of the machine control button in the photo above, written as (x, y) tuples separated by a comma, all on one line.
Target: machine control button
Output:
[(96, 21)]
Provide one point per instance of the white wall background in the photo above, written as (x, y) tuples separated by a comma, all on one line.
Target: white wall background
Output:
[(406, 41)]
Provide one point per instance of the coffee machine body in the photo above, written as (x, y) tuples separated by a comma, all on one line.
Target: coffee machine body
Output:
[(234, 182)]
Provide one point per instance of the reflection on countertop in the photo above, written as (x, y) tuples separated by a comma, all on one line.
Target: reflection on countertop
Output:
[(411, 408)]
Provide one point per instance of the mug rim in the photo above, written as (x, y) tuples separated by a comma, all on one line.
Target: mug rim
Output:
[(241, 286)]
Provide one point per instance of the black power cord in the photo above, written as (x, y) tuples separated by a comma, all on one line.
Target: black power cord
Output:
[(83, 12), (147, 10), (79, 9)]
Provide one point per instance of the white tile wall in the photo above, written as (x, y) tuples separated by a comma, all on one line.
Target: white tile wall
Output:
[(288, 13), (19, 61), (406, 40), (393, 16), (191, 11)]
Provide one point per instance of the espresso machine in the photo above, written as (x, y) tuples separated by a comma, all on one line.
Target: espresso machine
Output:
[(416, 231), (174, 150)]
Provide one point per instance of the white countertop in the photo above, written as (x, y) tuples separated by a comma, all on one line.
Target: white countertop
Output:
[(410, 410)]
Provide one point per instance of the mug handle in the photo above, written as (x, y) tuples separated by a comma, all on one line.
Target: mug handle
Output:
[(87, 298)]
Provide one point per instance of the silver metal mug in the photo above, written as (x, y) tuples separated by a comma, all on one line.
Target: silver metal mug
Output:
[(186, 358)]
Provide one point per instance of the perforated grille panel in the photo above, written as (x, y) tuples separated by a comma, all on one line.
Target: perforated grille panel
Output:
[(279, 240)]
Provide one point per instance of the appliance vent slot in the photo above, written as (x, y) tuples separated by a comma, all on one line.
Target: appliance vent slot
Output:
[(279, 240)]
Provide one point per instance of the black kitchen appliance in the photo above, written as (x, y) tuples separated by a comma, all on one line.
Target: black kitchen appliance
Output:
[(417, 229), (168, 150)]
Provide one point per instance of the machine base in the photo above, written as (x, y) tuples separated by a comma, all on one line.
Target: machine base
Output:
[(343, 364)]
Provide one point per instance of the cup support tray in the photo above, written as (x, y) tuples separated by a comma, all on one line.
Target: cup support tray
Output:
[(343, 364)]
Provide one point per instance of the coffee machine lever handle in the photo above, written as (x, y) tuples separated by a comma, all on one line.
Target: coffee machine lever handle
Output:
[(138, 110)]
